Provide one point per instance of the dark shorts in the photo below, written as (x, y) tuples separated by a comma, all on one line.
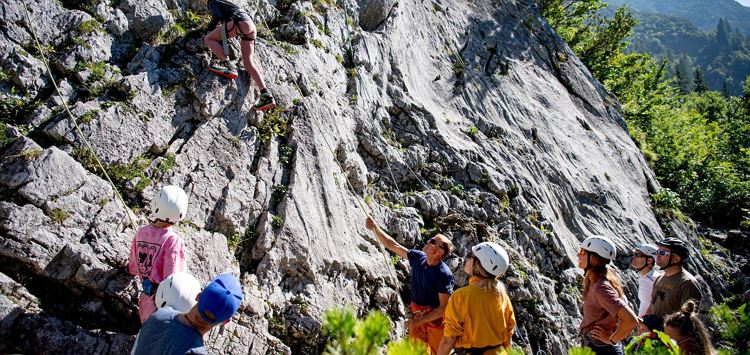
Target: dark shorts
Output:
[(600, 348)]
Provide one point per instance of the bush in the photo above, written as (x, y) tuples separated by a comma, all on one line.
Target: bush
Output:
[(733, 325)]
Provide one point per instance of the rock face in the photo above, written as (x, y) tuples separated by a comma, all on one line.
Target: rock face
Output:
[(472, 119)]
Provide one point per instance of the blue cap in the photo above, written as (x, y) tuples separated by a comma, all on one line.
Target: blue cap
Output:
[(220, 299)]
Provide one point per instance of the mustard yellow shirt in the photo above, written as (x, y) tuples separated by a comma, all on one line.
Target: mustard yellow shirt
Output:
[(478, 318)]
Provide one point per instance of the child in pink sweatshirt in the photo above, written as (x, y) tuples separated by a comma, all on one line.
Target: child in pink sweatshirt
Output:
[(157, 250)]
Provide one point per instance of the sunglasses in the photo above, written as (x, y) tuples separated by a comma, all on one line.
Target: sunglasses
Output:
[(663, 252)]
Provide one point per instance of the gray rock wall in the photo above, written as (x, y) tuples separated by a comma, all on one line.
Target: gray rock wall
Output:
[(473, 119)]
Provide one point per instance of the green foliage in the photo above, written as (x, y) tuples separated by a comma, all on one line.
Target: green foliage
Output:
[(5, 138), (667, 202), (351, 73), (353, 100), (122, 174), (90, 26), (233, 240), (408, 346), (457, 189), (30, 154), (351, 336), (58, 215), (657, 344), (317, 43), (273, 124), (339, 58), (581, 351), (296, 101), (287, 48), (277, 221), (285, 154), (88, 116), (279, 192), (473, 130), (733, 325), (168, 163)]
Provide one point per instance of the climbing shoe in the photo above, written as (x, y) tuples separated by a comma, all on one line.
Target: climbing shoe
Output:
[(225, 69), (265, 102)]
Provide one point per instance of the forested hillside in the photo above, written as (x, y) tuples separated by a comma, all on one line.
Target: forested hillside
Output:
[(704, 14), (722, 55)]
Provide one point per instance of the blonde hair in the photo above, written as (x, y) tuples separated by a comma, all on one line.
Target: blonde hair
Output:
[(597, 269), (487, 282)]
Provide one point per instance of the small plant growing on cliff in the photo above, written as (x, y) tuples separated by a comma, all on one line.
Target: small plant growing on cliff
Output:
[(353, 100), (88, 116), (316, 42), (285, 154), (279, 192), (277, 221), (91, 26), (168, 163), (473, 130), (457, 189), (30, 154), (58, 215)]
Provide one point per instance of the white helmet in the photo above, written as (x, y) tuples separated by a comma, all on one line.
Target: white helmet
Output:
[(178, 291), (492, 257), (169, 205), (648, 249), (601, 246)]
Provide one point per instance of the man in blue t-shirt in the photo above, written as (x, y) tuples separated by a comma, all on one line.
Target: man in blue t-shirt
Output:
[(431, 284), (168, 331)]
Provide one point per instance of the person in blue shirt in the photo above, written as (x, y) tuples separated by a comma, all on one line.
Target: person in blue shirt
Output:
[(168, 331), (431, 284)]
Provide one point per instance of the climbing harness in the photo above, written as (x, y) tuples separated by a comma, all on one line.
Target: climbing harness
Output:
[(72, 119)]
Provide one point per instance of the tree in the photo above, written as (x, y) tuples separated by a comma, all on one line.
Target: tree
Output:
[(700, 84)]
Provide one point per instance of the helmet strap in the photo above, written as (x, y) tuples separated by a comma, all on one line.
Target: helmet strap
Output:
[(670, 263), (646, 265)]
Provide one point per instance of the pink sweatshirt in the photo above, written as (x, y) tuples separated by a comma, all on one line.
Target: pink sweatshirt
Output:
[(155, 254)]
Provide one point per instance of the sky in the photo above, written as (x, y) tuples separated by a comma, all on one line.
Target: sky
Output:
[(744, 2)]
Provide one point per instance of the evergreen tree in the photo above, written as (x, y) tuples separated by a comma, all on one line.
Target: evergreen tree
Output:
[(723, 31), (725, 89), (700, 84), (682, 74)]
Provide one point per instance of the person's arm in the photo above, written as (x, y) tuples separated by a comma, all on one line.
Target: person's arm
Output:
[(510, 322), (133, 259), (386, 239), (446, 344), (435, 313)]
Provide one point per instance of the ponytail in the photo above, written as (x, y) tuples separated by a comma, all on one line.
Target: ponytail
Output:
[(690, 326)]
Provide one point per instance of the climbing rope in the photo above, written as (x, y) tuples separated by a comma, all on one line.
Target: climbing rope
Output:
[(72, 119)]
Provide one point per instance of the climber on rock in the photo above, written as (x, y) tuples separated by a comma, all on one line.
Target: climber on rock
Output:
[(169, 331), (157, 251), (479, 318), (676, 286), (607, 318), (228, 21), (431, 284), (644, 263)]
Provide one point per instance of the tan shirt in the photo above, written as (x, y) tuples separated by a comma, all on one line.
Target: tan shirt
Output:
[(601, 307), (671, 292)]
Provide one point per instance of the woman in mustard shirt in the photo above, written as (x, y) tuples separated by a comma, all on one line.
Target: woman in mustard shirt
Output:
[(479, 318)]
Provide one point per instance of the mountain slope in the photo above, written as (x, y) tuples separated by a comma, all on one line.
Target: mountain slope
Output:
[(703, 14)]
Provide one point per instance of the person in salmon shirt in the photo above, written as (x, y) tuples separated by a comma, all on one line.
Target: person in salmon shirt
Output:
[(157, 251)]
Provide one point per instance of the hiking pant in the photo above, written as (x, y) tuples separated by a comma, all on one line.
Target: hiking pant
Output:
[(600, 348), (430, 333)]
